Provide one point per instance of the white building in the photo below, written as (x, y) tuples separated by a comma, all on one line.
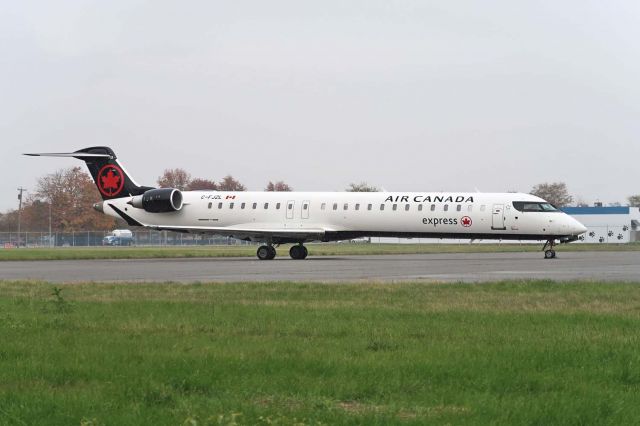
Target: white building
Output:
[(608, 224)]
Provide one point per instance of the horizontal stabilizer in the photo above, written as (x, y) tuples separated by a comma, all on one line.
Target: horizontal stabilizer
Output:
[(69, 154), (108, 174)]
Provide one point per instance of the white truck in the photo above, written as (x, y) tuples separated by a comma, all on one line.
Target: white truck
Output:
[(118, 237)]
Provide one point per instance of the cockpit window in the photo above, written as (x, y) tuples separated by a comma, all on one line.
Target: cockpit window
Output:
[(528, 206)]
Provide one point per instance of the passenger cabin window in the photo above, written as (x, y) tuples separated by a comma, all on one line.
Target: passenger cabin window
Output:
[(266, 206), (357, 206), (305, 206), (526, 206), (210, 204), (323, 206), (346, 206), (219, 205), (433, 207), (369, 206), (446, 207), (230, 206), (395, 207), (277, 206), (290, 206), (335, 206), (406, 207), (243, 205), (381, 207), (459, 207), (419, 207)]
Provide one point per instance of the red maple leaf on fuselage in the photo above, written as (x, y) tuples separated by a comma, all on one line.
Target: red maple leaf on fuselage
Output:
[(110, 181)]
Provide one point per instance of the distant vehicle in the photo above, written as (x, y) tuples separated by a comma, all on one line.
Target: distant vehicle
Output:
[(274, 218), (119, 237)]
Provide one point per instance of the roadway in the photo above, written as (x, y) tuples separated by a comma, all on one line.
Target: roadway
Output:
[(468, 267)]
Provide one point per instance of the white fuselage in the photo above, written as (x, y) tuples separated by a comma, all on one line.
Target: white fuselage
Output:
[(326, 216)]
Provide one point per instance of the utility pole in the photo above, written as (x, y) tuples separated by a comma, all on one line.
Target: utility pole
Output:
[(50, 222), (21, 190)]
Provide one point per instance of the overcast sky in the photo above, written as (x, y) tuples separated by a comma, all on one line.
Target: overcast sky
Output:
[(410, 96)]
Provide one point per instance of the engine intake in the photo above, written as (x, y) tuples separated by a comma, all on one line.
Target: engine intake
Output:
[(161, 200)]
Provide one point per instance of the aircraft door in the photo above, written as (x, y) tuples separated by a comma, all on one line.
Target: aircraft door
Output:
[(305, 209), (497, 217), (290, 208)]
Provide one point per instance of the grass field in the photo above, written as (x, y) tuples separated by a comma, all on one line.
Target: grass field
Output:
[(314, 250), (286, 353)]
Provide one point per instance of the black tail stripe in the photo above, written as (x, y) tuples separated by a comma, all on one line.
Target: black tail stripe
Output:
[(130, 221)]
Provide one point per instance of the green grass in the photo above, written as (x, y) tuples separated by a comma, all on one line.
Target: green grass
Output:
[(314, 250), (284, 353)]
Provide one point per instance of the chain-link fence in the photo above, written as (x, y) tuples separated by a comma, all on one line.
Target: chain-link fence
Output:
[(98, 238)]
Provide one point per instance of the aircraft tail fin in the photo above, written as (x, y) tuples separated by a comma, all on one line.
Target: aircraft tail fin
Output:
[(108, 174)]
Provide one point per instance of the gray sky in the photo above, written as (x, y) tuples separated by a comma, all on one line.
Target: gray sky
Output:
[(415, 96)]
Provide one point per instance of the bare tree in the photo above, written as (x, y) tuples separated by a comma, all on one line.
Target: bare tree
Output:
[(279, 186), (174, 178), (556, 193), (362, 187), (228, 183), (202, 184), (8, 221), (634, 200)]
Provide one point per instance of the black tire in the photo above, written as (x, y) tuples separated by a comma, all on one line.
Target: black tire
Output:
[(549, 254), (272, 252), (263, 253), (298, 252)]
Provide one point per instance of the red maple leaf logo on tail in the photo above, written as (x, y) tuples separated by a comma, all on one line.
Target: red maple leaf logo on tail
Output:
[(110, 181)]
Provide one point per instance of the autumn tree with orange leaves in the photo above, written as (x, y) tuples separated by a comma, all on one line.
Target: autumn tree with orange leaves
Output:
[(71, 194)]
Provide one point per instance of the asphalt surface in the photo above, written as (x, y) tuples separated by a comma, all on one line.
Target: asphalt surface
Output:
[(605, 266)]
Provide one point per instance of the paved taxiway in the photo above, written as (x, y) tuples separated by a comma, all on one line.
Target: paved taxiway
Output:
[(606, 266)]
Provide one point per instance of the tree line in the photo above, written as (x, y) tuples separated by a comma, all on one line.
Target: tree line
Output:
[(64, 199)]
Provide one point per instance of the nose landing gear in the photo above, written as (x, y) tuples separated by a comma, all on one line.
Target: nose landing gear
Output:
[(549, 253)]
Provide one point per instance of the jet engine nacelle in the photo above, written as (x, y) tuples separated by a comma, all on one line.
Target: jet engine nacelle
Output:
[(161, 200)]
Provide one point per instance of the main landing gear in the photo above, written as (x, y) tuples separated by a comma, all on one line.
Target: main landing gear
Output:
[(549, 253), (268, 252), (298, 252)]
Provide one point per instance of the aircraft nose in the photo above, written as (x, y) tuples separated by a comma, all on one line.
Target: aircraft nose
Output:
[(578, 228)]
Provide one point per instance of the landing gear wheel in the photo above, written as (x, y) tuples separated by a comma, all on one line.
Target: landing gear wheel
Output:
[(298, 252), (266, 252), (550, 253), (272, 252)]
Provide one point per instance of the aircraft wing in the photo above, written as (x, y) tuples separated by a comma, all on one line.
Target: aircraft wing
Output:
[(242, 232)]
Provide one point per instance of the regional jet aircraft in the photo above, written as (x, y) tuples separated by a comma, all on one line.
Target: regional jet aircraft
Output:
[(274, 218)]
